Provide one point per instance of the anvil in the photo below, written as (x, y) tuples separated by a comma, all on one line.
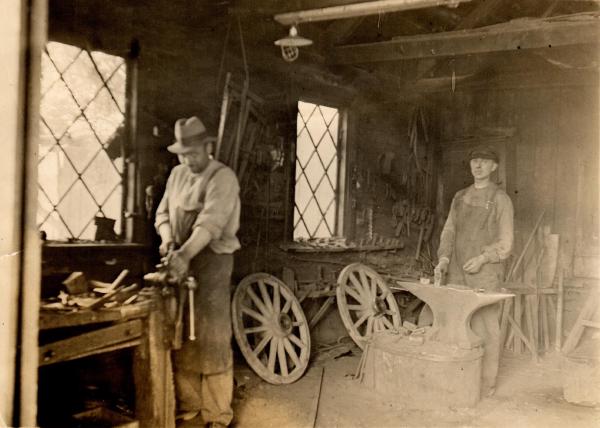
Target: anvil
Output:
[(452, 307)]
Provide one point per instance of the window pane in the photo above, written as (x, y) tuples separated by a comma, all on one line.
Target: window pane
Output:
[(82, 105), (316, 161)]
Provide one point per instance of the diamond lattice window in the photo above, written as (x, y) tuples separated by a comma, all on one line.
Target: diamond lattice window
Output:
[(82, 112), (317, 164)]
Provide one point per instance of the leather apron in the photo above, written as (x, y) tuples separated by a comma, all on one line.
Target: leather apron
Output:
[(475, 228)]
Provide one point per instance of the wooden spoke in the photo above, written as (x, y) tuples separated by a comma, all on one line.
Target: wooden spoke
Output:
[(365, 283), (297, 341), (387, 323), (261, 345), (373, 288), (262, 334), (282, 357), (362, 292), (276, 299), (273, 354), (253, 330), (291, 352), (369, 329), (359, 287), (265, 295), (384, 294), (287, 306), (253, 314), (257, 302), (361, 320), (354, 294)]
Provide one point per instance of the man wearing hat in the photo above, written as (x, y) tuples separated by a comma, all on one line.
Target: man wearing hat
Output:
[(476, 240), (197, 220)]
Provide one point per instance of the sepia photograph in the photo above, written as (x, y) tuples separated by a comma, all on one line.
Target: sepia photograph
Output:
[(300, 214)]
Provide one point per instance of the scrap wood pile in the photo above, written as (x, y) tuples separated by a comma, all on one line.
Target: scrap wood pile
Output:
[(532, 321), (336, 244), (80, 293)]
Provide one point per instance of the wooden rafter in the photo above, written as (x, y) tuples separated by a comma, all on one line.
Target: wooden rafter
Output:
[(338, 32), (519, 34), (350, 10), (483, 10)]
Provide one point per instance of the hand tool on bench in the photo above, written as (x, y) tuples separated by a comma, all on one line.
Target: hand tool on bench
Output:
[(186, 289), (191, 284)]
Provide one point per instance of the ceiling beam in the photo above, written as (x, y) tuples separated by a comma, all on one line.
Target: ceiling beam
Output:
[(484, 9), (518, 34), (338, 32), (359, 9)]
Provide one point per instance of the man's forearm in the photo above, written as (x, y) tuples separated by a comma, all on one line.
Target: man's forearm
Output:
[(166, 235), (197, 241)]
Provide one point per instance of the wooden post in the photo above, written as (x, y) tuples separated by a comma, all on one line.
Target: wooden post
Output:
[(559, 309), (518, 318), (153, 375)]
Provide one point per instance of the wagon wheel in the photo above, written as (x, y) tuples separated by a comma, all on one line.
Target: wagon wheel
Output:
[(365, 302), (270, 328)]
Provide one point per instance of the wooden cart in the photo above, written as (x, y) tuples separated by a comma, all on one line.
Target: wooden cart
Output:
[(273, 332)]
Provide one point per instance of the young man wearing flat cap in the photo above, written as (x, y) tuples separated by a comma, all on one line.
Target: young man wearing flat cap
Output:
[(476, 240), (197, 220)]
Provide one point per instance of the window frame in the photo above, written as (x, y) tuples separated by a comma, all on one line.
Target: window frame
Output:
[(128, 150), (342, 160)]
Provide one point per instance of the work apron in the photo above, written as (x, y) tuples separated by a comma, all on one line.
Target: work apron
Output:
[(211, 352), (475, 228)]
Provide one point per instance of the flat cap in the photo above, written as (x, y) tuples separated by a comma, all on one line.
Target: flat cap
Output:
[(484, 152)]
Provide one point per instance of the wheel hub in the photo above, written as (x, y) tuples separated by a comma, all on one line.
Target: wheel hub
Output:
[(379, 306), (285, 323)]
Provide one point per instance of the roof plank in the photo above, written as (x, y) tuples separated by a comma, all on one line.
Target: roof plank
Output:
[(518, 34)]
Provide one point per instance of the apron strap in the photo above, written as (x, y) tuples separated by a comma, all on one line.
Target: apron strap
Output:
[(490, 205), (208, 179)]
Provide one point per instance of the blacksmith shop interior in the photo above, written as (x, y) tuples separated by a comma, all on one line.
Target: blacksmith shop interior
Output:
[(300, 213)]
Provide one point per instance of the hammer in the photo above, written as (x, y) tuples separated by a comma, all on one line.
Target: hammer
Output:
[(191, 285)]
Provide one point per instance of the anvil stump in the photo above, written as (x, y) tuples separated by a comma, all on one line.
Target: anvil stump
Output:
[(443, 367)]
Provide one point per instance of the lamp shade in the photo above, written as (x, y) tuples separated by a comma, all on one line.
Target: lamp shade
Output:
[(293, 39)]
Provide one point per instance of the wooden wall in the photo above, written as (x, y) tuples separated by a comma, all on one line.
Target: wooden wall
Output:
[(552, 155)]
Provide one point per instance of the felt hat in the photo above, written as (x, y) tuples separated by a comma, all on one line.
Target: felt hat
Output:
[(189, 135), (484, 152)]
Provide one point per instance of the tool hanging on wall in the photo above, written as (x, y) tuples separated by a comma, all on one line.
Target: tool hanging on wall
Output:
[(417, 177)]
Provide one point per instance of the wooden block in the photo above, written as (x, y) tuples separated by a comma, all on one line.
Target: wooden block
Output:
[(76, 283)]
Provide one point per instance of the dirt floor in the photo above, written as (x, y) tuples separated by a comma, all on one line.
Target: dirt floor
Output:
[(527, 395)]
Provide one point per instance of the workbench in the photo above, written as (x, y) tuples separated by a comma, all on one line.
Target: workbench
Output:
[(139, 327)]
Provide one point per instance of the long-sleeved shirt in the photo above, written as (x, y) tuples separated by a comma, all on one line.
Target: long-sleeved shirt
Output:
[(209, 200), (501, 247)]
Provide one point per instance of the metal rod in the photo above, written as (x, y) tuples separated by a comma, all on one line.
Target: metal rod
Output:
[(223, 116), (515, 267), (318, 398)]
